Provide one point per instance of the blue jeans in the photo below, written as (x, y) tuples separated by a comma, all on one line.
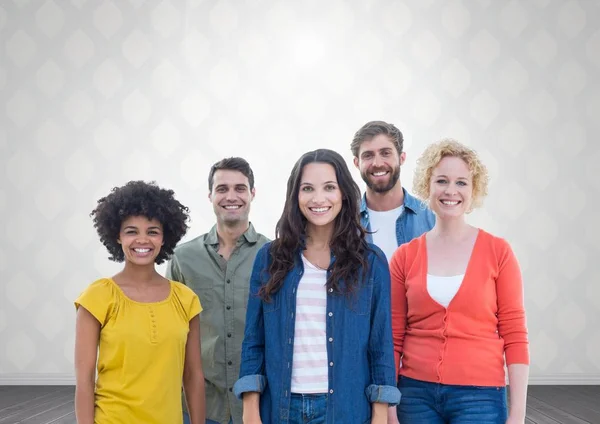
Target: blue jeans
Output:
[(308, 409), (432, 403), (186, 419)]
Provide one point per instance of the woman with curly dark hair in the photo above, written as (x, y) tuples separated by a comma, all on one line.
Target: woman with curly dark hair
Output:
[(141, 329), (318, 339)]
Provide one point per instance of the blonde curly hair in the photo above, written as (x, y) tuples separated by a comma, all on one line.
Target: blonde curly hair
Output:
[(432, 156)]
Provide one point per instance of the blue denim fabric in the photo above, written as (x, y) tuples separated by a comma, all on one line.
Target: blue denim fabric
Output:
[(416, 219), (308, 409), (433, 403), (186, 419), (359, 344)]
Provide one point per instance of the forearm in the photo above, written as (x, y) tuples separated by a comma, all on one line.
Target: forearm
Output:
[(518, 376), (193, 388), (379, 412), (250, 405), (84, 402)]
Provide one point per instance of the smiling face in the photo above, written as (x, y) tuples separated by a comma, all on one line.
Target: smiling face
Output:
[(379, 163), (319, 195), (141, 239), (231, 197), (451, 188)]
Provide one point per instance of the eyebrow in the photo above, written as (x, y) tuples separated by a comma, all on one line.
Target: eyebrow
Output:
[(445, 176), (326, 182), (227, 185), (133, 227)]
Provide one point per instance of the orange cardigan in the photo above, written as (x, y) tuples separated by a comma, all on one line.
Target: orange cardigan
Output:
[(464, 344)]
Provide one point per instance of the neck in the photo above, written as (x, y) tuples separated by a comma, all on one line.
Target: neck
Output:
[(387, 201), (450, 228), (139, 274), (229, 234), (319, 237)]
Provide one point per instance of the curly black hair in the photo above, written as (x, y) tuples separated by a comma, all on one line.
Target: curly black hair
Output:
[(138, 198)]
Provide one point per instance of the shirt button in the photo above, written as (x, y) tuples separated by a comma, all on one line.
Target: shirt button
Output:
[(228, 334), (229, 363), (330, 290), (331, 364), (331, 391), (228, 307), (330, 314), (228, 281), (331, 339), (230, 389)]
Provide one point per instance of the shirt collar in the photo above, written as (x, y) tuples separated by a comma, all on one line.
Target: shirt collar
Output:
[(410, 202), (250, 235)]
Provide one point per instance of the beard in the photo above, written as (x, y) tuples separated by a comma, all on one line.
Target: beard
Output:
[(382, 187)]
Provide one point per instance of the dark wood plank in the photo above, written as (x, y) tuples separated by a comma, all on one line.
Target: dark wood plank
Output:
[(67, 419), (51, 415), (29, 400), (565, 401), (16, 394), (23, 414)]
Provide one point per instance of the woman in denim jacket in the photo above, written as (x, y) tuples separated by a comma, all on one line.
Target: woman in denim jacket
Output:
[(318, 342)]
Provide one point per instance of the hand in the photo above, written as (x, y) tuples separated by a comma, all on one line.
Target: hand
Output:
[(253, 419), (514, 420), (392, 416)]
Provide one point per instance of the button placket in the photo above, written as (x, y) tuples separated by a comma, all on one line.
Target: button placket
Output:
[(153, 325)]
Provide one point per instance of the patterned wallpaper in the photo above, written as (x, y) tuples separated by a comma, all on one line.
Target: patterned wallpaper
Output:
[(97, 92)]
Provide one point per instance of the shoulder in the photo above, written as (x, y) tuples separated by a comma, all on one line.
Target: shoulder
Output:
[(496, 249), (493, 243), (408, 251), (103, 287), (190, 246), (181, 290), (264, 252), (262, 239), (375, 254)]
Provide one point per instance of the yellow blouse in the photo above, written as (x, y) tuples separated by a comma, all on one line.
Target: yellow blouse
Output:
[(141, 353)]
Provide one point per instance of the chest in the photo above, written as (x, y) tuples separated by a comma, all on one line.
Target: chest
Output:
[(137, 325), (449, 261), (152, 294)]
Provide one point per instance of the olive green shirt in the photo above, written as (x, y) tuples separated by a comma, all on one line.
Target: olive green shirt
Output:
[(222, 286)]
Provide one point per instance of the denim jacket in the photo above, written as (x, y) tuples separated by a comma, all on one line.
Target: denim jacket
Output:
[(416, 219), (359, 344)]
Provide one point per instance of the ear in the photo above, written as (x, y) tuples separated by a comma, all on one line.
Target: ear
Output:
[(402, 158), (210, 196), (252, 193), (119, 241), (356, 162)]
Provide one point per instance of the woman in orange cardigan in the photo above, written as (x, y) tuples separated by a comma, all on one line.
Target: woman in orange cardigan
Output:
[(457, 305)]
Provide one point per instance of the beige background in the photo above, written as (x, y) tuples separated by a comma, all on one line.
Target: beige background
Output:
[(95, 93)]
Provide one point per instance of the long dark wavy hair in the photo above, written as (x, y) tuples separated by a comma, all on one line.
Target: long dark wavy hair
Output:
[(348, 244)]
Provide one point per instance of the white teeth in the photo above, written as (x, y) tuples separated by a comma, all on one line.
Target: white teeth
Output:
[(448, 202), (142, 250), (318, 210), (380, 174), (233, 207)]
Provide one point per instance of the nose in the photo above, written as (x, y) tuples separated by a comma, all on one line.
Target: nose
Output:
[(318, 197), (450, 190), (377, 161)]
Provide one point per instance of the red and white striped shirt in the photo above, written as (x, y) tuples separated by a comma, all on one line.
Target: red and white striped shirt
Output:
[(309, 365)]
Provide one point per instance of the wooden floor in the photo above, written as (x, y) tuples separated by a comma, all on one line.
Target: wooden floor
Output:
[(54, 404)]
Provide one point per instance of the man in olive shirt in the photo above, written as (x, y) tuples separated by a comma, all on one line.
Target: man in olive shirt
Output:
[(218, 266)]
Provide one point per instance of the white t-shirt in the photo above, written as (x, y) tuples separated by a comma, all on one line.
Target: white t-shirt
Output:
[(383, 226), (443, 289)]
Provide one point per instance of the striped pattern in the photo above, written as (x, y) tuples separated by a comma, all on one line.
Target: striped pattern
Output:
[(309, 367)]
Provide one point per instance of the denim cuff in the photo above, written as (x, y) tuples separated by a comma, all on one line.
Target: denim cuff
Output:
[(383, 394), (249, 383)]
